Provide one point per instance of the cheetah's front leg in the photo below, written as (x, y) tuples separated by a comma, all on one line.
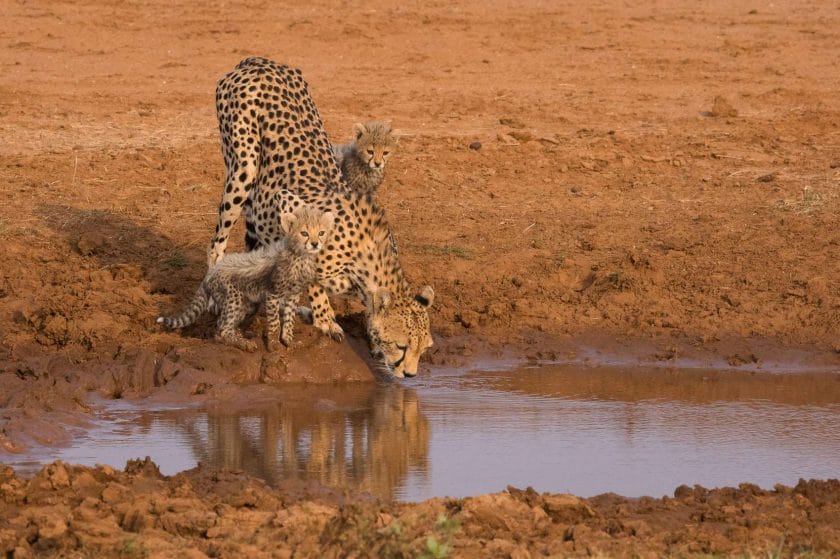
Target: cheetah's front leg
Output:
[(287, 332), (323, 316), (272, 317)]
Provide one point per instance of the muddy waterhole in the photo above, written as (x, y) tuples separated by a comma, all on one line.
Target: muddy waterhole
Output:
[(582, 430)]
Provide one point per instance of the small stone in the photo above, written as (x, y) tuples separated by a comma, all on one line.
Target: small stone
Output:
[(51, 527), (58, 476), (468, 319), (512, 122), (683, 492), (137, 518), (497, 310), (770, 177), (507, 139), (475, 146), (522, 135), (567, 508), (516, 281), (90, 242), (721, 108), (835, 165), (113, 493)]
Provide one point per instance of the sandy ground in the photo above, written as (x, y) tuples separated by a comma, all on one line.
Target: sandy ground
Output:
[(661, 179)]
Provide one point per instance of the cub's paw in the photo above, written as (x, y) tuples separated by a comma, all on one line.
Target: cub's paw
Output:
[(239, 342), (246, 345)]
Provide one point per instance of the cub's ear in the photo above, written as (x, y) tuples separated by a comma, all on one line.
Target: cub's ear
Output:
[(286, 222), (359, 129), (327, 220), (426, 296), (381, 299)]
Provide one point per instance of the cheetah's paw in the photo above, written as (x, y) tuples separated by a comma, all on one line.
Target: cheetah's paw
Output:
[(333, 330)]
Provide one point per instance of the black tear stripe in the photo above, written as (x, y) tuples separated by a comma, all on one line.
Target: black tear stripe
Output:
[(401, 359), (422, 300)]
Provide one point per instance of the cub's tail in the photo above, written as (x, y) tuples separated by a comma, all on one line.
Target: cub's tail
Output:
[(199, 304)]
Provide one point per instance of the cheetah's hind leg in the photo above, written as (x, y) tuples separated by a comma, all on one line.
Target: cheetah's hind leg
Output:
[(227, 330)]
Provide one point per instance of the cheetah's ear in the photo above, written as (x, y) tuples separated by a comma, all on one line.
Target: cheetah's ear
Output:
[(286, 222), (381, 299), (359, 130), (327, 220), (426, 296)]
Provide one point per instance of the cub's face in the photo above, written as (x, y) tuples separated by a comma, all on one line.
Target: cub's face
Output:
[(375, 143), (399, 330), (308, 229)]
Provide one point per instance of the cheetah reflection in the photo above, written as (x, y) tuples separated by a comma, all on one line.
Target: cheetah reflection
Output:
[(363, 438)]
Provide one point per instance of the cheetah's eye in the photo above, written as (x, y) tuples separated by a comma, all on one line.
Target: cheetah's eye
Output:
[(370, 152), (386, 153), (304, 234), (321, 233)]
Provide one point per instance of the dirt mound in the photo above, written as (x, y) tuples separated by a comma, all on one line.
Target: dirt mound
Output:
[(68, 510)]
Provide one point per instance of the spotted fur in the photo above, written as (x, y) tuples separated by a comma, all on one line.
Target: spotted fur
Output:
[(277, 157), (275, 274), (362, 161)]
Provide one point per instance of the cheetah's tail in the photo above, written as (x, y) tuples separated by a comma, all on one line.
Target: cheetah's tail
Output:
[(199, 304)]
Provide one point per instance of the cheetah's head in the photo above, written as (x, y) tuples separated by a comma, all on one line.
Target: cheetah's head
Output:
[(398, 328), (307, 229), (375, 142)]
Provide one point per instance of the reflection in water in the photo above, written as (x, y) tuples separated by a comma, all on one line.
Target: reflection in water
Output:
[(562, 429), (364, 438)]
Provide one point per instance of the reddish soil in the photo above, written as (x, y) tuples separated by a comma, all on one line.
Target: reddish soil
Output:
[(71, 511), (661, 177)]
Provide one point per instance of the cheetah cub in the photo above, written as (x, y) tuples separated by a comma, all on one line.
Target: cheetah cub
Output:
[(276, 274), (362, 162)]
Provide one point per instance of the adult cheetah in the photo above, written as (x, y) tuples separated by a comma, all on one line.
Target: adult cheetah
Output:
[(277, 157)]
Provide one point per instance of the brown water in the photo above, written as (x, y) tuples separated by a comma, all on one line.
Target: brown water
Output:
[(556, 428)]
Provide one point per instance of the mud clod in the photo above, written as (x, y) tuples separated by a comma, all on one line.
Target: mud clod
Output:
[(721, 108)]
